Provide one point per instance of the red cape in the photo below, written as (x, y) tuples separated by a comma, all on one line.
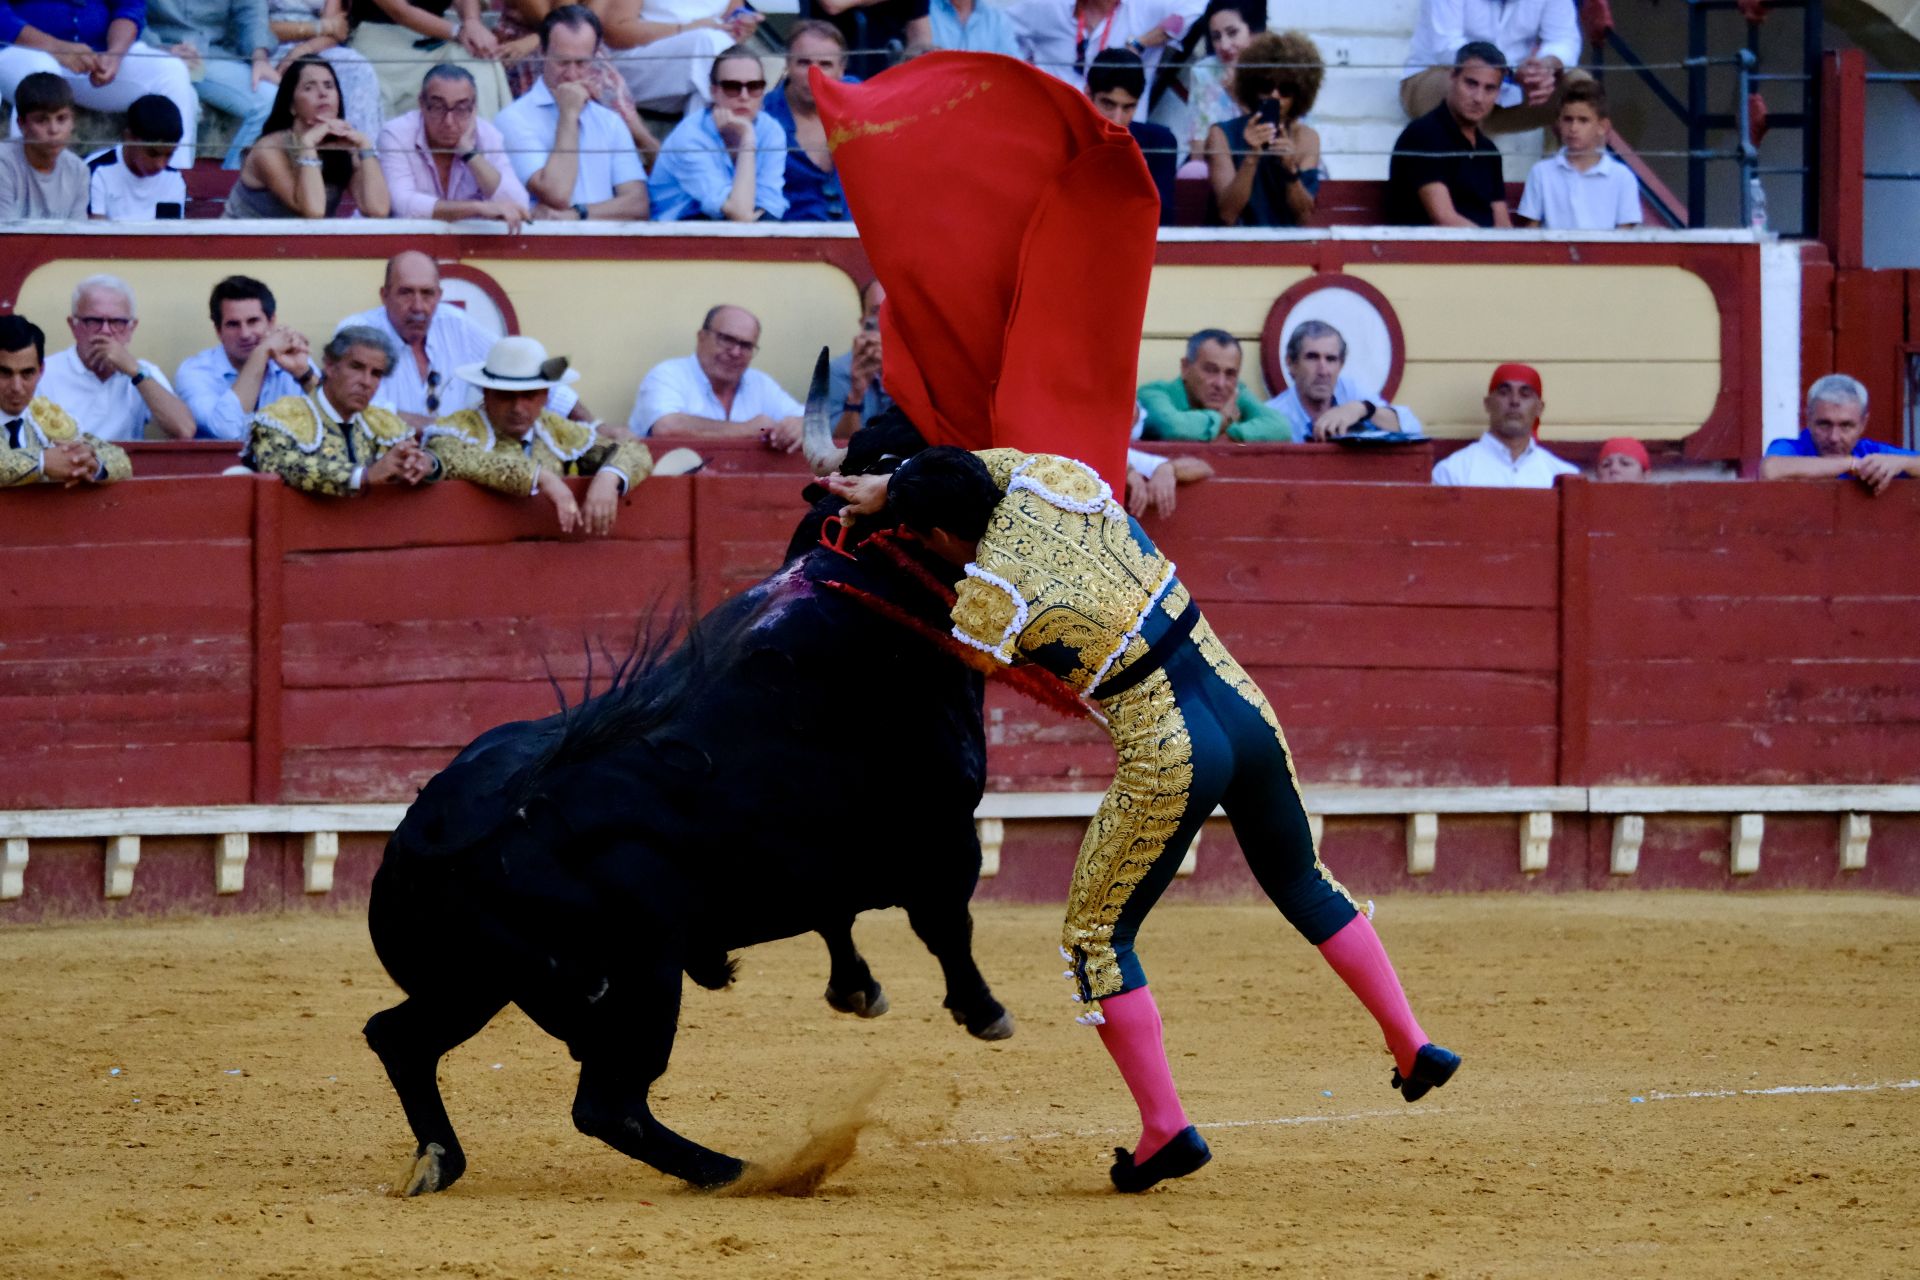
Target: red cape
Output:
[(1013, 228)]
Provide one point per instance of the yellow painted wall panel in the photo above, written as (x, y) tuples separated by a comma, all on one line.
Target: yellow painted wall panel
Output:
[(1585, 401), (1184, 300)]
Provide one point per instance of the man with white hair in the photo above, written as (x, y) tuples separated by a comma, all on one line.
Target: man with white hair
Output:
[(334, 441), (100, 381), (1833, 443), (1324, 403)]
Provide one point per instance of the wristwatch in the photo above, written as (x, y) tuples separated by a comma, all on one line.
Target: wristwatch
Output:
[(139, 376), (581, 209), (1368, 415), (466, 157), (1137, 47)]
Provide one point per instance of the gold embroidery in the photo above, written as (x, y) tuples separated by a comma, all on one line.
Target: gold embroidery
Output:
[(470, 449), (1152, 784)]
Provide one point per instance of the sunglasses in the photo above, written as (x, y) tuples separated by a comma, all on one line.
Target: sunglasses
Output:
[(741, 88), (433, 391)]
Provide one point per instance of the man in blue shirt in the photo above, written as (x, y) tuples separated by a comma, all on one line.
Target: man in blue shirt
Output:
[(256, 362), (1833, 444), (812, 187), (85, 42), (1323, 402), (970, 26), (728, 162)]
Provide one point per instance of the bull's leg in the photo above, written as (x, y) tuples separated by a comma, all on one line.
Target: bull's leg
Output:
[(618, 1066), (946, 926), (410, 1039), (851, 987)]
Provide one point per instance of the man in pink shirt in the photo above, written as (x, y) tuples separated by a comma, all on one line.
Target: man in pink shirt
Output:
[(443, 161)]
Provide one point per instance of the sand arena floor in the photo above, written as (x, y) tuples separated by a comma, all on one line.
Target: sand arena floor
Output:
[(1627, 1108)]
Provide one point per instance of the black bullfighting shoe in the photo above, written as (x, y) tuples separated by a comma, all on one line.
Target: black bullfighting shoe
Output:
[(1185, 1152), (1432, 1067)]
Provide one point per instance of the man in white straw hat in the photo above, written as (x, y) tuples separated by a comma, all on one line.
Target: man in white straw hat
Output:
[(511, 442)]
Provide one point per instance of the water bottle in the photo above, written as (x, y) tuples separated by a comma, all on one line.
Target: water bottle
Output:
[(1757, 203)]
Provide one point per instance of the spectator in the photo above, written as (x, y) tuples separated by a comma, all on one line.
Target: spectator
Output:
[(39, 178), (310, 28), (1323, 402), (39, 441), (100, 381), (971, 26), (1207, 401), (443, 161), (228, 48), (1538, 39), (512, 443), (335, 441), (576, 158), (1622, 459), (880, 31), (1446, 170), (1582, 188), (131, 182), (1062, 37), (713, 392), (94, 61), (431, 342), (812, 187), (518, 30), (1116, 84), (727, 162), (664, 49), (1507, 456), (400, 37), (1152, 480), (1225, 29), (854, 377), (1264, 166), (1833, 442), (255, 361), (308, 157)]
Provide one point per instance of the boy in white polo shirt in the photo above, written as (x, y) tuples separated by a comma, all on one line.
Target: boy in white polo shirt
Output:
[(131, 182), (1581, 188)]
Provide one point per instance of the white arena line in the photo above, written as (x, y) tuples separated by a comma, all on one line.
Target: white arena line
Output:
[(1775, 1091)]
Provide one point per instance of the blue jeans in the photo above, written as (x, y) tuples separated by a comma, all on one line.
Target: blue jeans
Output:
[(226, 87)]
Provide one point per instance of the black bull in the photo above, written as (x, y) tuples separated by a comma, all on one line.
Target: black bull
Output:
[(802, 758)]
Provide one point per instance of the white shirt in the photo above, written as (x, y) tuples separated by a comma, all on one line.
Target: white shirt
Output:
[(452, 341), (120, 195), (112, 410), (1049, 32), (1562, 198), (607, 158), (682, 386), (1522, 28), (1486, 464)]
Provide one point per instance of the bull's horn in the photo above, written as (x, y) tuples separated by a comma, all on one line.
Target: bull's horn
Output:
[(816, 436)]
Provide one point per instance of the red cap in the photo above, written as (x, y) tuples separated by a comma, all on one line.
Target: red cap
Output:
[(1629, 446), (1525, 373)]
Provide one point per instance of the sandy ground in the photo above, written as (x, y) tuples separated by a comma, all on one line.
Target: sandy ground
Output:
[(1655, 1085)]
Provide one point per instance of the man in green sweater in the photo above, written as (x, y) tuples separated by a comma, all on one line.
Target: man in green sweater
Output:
[(1207, 401)]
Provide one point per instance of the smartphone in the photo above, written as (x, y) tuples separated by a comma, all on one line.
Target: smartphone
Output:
[(738, 14), (1270, 111)]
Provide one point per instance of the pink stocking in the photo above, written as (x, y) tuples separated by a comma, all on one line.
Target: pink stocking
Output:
[(1131, 1034), (1357, 956)]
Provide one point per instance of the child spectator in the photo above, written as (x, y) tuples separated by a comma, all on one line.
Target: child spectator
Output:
[(1582, 187), (1116, 82), (131, 182), (39, 177), (1622, 459)]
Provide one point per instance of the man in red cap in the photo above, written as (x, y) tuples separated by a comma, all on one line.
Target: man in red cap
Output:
[(1622, 460), (1507, 456)]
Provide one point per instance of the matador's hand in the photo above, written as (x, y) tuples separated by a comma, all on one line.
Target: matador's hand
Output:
[(865, 495)]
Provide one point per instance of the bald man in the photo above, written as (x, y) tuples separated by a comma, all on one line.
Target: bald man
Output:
[(433, 342), (713, 393)]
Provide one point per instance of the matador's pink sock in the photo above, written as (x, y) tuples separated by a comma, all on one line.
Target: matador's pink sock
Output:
[(1131, 1034), (1357, 956)]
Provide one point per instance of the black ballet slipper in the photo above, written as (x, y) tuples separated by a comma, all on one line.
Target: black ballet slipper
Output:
[(1184, 1153), (1432, 1067)]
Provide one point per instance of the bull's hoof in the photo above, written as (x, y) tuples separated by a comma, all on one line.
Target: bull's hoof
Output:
[(431, 1172), (1000, 1028), (717, 1173), (866, 1004)]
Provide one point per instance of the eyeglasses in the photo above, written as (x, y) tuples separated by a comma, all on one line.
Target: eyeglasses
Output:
[(730, 343), (433, 391), (458, 110), (110, 324), (741, 88)]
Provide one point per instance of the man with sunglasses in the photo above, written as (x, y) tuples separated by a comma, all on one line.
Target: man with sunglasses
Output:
[(713, 393), (728, 162), (100, 381)]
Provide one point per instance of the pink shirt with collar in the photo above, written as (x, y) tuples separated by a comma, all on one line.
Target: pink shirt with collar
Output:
[(413, 180)]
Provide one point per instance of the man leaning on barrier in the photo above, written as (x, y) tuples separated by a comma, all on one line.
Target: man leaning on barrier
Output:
[(333, 441), (41, 443), (1833, 442)]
